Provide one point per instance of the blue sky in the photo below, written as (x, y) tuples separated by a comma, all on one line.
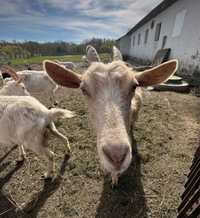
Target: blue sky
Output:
[(69, 20)]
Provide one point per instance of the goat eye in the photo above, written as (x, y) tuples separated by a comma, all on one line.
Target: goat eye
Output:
[(133, 87), (84, 91)]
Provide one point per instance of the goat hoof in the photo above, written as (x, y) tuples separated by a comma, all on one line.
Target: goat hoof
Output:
[(20, 161), (47, 176), (55, 103), (67, 156), (69, 152), (46, 180)]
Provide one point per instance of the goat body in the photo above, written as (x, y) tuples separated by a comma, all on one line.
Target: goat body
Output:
[(38, 82), (25, 121), (67, 64)]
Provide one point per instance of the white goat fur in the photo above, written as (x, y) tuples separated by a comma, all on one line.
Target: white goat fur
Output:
[(67, 64), (11, 88), (113, 94), (24, 121), (38, 82)]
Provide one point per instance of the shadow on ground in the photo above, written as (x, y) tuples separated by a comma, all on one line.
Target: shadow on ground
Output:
[(7, 207), (31, 209), (128, 199)]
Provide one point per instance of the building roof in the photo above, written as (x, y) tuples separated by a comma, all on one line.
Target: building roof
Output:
[(157, 10)]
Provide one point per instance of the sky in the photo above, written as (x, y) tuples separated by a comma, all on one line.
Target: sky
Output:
[(70, 20)]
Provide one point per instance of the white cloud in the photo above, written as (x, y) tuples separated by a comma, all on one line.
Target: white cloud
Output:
[(88, 18)]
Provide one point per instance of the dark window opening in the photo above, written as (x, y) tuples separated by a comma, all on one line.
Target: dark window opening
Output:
[(139, 38), (133, 41), (157, 32), (152, 24), (146, 36), (164, 41)]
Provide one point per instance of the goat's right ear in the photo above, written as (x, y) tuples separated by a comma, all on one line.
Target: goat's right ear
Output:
[(62, 76), (158, 74)]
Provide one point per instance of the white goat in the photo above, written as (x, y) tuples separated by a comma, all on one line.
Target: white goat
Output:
[(113, 94), (13, 88), (39, 120), (25, 122), (67, 64), (36, 82)]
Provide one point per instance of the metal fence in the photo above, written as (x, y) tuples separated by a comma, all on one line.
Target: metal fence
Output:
[(190, 204)]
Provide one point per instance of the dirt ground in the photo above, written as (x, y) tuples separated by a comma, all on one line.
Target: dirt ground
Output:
[(166, 137)]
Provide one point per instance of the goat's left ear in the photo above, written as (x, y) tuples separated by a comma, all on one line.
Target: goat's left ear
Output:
[(62, 76), (158, 74)]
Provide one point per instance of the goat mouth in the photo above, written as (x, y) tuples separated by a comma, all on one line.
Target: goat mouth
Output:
[(115, 164)]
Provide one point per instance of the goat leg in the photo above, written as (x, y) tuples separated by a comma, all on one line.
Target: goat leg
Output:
[(50, 156), (22, 154), (54, 130)]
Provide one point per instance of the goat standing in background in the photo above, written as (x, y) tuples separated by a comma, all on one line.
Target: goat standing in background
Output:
[(36, 82), (66, 64), (26, 122)]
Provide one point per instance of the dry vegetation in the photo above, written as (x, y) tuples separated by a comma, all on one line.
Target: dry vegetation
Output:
[(166, 137)]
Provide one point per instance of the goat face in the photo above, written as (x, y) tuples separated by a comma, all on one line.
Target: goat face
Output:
[(109, 90)]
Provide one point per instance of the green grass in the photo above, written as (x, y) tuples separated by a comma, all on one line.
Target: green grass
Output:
[(39, 59)]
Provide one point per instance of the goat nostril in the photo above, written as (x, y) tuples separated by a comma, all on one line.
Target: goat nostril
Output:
[(124, 155), (116, 154), (108, 154)]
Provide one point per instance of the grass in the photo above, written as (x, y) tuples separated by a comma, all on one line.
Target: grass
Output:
[(39, 59)]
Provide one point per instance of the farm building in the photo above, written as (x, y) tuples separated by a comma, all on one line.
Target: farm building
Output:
[(172, 24)]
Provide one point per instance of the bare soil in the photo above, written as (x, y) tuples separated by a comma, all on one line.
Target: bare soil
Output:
[(166, 137)]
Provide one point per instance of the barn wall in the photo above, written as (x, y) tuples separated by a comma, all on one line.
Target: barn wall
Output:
[(124, 45), (184, 42)]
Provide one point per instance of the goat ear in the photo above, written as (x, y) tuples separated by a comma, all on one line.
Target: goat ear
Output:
[(158, 74), (92, 55), (21, 78), (62, 76), (117, 54)]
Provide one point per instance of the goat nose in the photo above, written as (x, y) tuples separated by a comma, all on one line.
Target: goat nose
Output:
[(116, 154)]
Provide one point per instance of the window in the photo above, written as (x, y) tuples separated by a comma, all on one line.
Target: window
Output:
[(179, 23), (152, 24), (164, 41), (157, 32), (146, 36), (139, 38), (133, 41)]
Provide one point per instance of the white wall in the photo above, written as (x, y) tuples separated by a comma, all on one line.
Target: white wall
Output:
[(124, 45), (184, 46)]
